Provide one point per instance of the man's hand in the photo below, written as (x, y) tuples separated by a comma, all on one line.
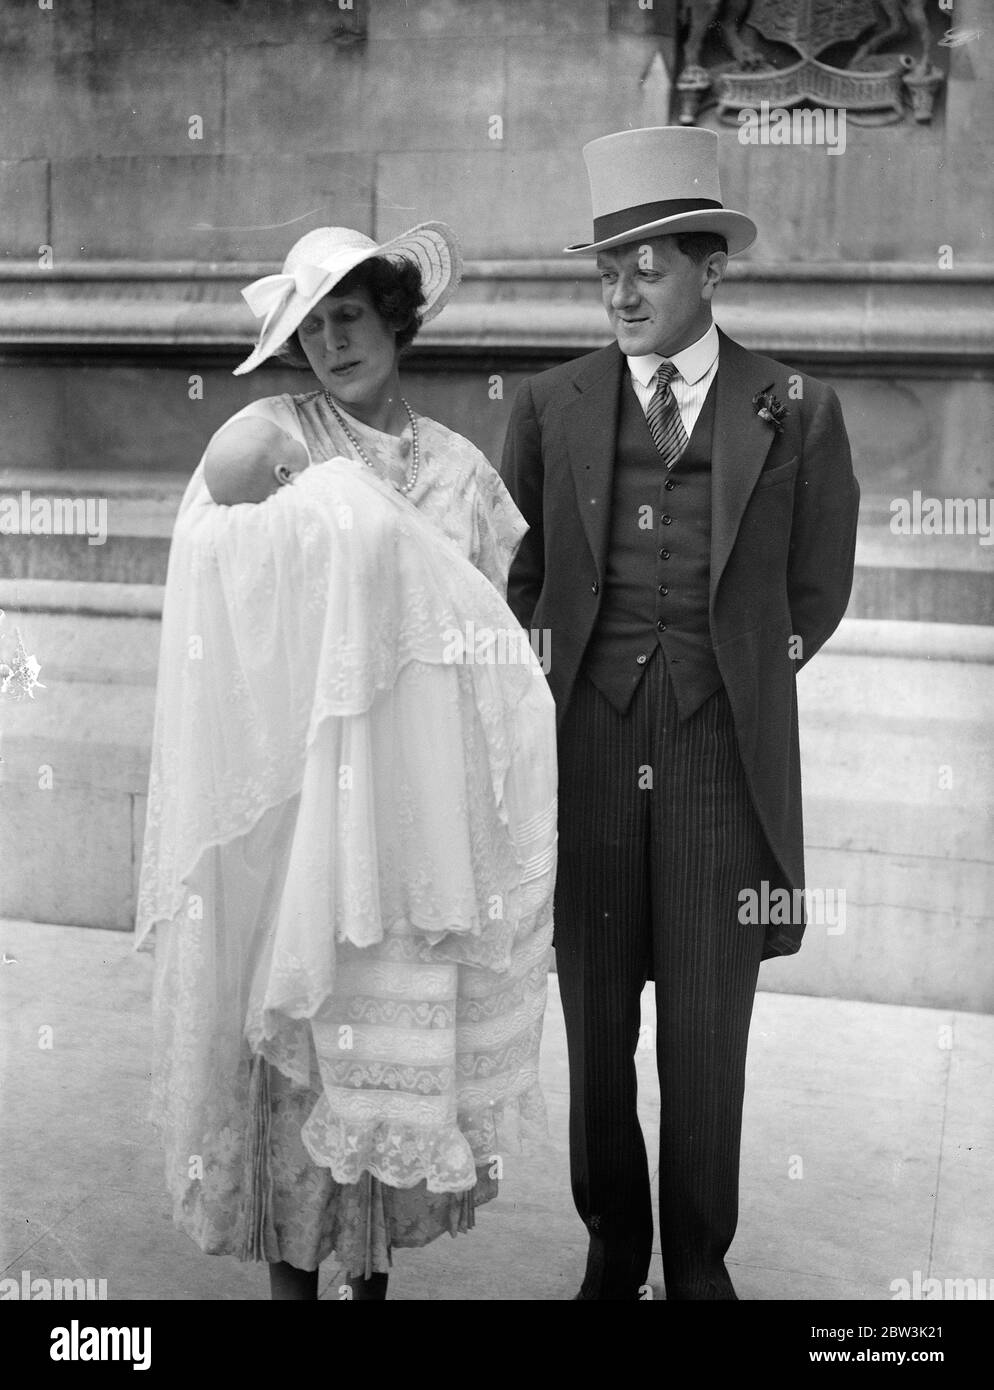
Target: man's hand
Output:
[(239, 463)]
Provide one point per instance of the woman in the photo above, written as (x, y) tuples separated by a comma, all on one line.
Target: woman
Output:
[(350, 843)]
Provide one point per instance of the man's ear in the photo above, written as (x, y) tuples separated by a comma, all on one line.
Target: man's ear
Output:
[(714, 272)]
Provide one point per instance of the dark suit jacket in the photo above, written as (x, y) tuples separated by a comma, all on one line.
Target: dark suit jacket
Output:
[(783, 534)]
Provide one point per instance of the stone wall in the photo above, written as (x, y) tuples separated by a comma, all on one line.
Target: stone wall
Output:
[(873, 267), (387, 112)]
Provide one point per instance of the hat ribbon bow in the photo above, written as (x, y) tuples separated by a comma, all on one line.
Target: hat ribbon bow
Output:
[(272, 291)]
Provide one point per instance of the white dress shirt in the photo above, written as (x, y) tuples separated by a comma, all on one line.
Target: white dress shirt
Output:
[(695, 369)]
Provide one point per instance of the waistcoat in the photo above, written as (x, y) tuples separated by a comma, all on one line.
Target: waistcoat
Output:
[(656, 580)]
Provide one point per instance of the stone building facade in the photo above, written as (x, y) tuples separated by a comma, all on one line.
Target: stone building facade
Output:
[(155, 157)]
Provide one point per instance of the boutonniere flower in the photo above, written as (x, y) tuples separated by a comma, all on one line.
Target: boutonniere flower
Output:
[(768, 408)]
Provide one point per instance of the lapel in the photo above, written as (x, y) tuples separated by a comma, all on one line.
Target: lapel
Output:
[(739, 444), (590, 426)]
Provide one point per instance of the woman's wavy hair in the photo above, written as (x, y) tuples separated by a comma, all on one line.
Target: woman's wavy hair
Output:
[(397, 295)]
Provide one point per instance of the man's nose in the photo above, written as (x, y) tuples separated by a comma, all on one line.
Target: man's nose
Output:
[(625, 293), (335, 336)]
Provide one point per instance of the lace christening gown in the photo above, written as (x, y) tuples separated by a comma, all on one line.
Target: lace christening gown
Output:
[(349, 852)]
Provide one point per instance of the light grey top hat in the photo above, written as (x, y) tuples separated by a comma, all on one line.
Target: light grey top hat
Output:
[(656, 182)]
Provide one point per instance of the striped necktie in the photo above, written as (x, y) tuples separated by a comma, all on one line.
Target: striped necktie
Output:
[(663, 417)]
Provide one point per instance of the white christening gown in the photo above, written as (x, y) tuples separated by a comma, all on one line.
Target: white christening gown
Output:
[(349, 854)]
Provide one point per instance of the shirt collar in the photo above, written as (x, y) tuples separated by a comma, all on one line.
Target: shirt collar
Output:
[(691, 362)]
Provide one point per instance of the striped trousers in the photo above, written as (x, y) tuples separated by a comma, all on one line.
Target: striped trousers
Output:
[(657, 838)]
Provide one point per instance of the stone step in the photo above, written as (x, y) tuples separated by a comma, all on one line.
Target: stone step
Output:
[(884, 709), (947, 579), (127, 524), (947, 593)]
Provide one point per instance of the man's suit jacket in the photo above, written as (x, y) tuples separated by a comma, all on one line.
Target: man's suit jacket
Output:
[(783, 534)]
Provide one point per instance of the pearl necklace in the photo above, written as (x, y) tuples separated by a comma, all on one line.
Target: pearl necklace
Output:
[(416, 448)]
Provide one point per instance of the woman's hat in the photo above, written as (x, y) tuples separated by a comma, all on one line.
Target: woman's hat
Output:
[(319, 260), (657, 182)]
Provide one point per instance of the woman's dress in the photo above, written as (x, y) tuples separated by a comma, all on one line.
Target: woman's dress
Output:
[(349, 853)]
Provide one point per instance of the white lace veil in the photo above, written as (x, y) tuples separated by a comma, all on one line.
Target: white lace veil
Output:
[(325, 778)]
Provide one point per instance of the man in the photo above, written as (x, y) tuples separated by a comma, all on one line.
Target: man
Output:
[(693, 515)]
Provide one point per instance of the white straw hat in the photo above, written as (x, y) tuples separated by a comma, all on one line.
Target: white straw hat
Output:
[(656, 182), (318, 261)]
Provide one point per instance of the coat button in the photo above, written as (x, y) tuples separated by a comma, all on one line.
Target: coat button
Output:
[(641, 658), (595, 587), (663, 590), (664, 555), (669, 485), (666, 520), (661, 625)]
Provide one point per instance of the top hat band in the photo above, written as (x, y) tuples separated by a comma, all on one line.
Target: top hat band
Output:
[(616, 223)]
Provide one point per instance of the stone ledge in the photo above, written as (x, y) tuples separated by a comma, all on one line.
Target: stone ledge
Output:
[(933, 641), (875, 637), (851, 311), (80, 597), (936, 579)]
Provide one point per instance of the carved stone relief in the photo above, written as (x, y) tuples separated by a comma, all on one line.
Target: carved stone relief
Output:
[(874, 58)]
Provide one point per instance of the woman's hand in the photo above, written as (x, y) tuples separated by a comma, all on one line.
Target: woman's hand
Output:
[(239, 462)]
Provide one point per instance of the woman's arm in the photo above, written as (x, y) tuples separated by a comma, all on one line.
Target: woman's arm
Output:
[(499, 527), (239, 462)]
